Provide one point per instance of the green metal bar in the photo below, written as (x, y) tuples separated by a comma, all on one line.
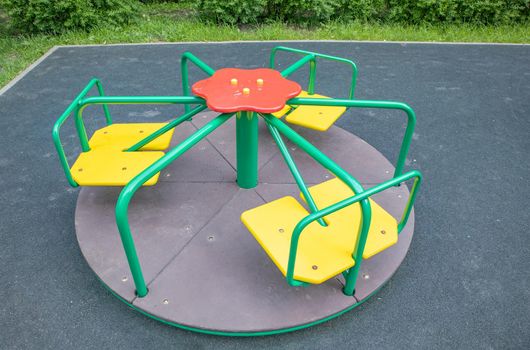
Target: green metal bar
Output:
[(130, 189), (105, 107), (354, 185), (412, 198), (57, 127), (142, 100), (188, 56), (323, 56), (411, 118), (294, 170), (247, 149), (166, 128), (312, 77), (295, 66)]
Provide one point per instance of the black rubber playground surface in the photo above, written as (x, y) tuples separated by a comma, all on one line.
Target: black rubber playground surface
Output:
[(464, 283)]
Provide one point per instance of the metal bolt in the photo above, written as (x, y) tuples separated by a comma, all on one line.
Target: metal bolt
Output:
[(246, 91), (233, 81), (259, 82), (314, 267), (281, 230), (124, 279), (165, 301), (210, 238), (366, 276), (383, 232)]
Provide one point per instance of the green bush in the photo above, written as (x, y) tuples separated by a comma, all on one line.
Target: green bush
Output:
[(362, 10), (56, 16), (459, 11), (401, 11), (302, 11), (232, 11)]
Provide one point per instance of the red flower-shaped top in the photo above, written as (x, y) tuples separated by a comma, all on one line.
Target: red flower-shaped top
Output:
[(260, 90)]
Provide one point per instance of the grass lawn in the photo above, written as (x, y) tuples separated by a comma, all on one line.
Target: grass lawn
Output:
[(172, 22)]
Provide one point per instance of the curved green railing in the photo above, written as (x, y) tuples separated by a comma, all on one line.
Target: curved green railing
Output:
[(411, 118), (312, 69), (73, 107), (188, 56)]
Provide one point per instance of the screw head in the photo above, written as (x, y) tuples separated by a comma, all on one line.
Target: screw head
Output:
[(314, 267), (124, 168), (124, 279), (383, 232), (246, 91), (165, 301), (366, 276), (281, 230), (210, 238), (233, 81), (259, 82)]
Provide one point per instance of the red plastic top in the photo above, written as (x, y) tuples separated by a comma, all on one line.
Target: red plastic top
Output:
[(260, 90)]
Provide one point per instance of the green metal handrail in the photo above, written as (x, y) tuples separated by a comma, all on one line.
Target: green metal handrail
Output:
[(352, 183), (411, 118), (312, 71), (57, 126), (295, 66), (188, 56), (166, 128), (83, 103), (130, 189), (347, 202)]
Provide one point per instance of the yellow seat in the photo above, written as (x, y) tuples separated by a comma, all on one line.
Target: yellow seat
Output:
[(323, 252), (319, 118), (123, 136), (111, 167)]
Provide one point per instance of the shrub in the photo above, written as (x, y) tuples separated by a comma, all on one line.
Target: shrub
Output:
[(362, 10), (303, 11), (402, 11), (469, 11), (232, 11), (33, 16)]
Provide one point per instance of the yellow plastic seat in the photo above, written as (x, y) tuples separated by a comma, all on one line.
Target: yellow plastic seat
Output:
[(110, 167), (319, 118), (323, 252), (123, 136)]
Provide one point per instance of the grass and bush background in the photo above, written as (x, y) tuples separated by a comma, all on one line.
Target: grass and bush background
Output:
[(28, 28)]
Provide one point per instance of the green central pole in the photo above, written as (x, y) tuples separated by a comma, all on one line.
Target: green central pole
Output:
[(247, 149)]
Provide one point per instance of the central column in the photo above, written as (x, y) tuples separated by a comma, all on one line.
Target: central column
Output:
[(247, 149)]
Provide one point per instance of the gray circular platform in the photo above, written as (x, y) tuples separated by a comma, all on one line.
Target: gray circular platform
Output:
[(204, 269)]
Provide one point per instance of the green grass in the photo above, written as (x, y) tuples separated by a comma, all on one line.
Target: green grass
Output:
[(178, 22)]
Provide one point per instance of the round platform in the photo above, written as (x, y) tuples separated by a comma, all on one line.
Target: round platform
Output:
[(204, 270)]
